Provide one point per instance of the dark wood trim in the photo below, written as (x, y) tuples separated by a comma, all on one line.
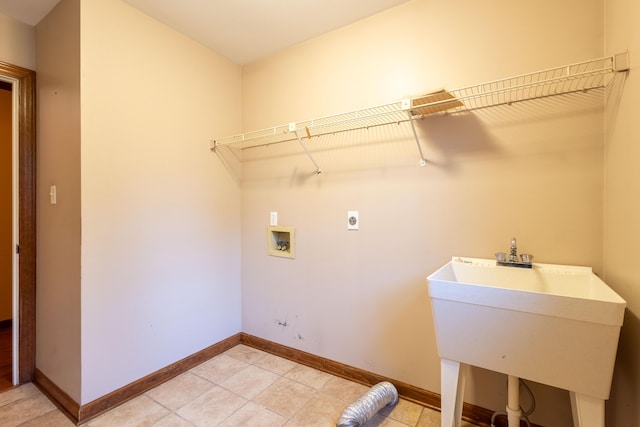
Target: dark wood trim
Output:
[(27, 221), (62, 400), (6, 323), (123, 394), (502, 421)]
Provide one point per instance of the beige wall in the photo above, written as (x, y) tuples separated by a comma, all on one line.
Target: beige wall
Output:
[(533, 170), (125, 119), (18, 43), (622, 208), (160, 213), (58, 226), (6, 201)]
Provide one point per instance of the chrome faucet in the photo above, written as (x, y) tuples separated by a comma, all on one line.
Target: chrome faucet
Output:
[(524, 260), (513, 257)]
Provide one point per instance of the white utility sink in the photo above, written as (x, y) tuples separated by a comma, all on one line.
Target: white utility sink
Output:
[(553, 324)]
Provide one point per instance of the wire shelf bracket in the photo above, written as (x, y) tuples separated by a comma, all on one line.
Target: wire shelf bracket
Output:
[(406, 104), (292, 128), (572, 78)]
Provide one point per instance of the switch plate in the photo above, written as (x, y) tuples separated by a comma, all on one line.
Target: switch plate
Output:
[(53, 195), (353, 220), (273, 220)]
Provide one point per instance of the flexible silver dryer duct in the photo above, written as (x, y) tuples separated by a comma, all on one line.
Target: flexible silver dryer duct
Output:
[(367, 405)]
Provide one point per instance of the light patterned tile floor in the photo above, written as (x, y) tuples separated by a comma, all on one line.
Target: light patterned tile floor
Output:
[(241, 387)]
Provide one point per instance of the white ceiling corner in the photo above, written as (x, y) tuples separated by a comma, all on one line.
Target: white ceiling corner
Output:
[(241, 30), (29, 12), (246, 30)]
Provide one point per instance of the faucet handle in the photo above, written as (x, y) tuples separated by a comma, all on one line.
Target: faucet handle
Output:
[(526, 258)]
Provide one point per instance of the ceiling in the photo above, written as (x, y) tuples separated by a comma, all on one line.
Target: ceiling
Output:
[(27, 11), (241, 30)]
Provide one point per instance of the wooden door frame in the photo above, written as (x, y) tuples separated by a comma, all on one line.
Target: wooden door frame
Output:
[(26, 81)]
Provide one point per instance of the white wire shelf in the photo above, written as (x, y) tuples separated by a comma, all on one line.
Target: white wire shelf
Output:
[(582, 76)]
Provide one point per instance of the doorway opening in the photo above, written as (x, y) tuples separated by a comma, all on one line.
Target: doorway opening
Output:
[(22, 248), (7, 219)]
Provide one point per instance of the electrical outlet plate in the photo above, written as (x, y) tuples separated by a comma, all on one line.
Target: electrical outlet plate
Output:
[(353, 220)]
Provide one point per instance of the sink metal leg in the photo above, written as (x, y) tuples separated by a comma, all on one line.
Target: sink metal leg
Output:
[(452, 376), (587, 411)]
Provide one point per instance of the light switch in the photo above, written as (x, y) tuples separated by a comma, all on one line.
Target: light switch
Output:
[(273, 220), (53, 195)]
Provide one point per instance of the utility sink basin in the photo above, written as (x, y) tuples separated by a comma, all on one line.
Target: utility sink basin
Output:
[(553, 324)]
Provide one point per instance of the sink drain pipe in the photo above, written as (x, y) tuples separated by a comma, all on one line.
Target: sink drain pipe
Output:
[(367, 405), (513, 402), (514, 411)]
